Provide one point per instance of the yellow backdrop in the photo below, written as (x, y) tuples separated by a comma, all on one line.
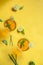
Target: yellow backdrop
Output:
[(31, 18)]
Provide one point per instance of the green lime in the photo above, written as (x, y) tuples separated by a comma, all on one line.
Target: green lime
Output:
[(31, 63)]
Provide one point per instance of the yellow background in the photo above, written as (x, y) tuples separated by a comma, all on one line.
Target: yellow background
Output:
[(31, 18)]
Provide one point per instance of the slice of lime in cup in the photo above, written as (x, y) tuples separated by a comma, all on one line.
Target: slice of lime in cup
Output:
[(23, 44)]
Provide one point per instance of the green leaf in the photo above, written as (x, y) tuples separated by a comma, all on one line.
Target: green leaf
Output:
[(1, 20), (22, 43), (21, 8), (31, 63), (13, 59), (22, 32), (5, 42), (8, 25), (11, 40)]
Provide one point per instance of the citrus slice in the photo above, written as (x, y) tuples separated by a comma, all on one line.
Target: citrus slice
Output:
[(23, 44), (10, 24)]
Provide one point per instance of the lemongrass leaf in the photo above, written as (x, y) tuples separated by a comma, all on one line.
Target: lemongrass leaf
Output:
[(13, 59)]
